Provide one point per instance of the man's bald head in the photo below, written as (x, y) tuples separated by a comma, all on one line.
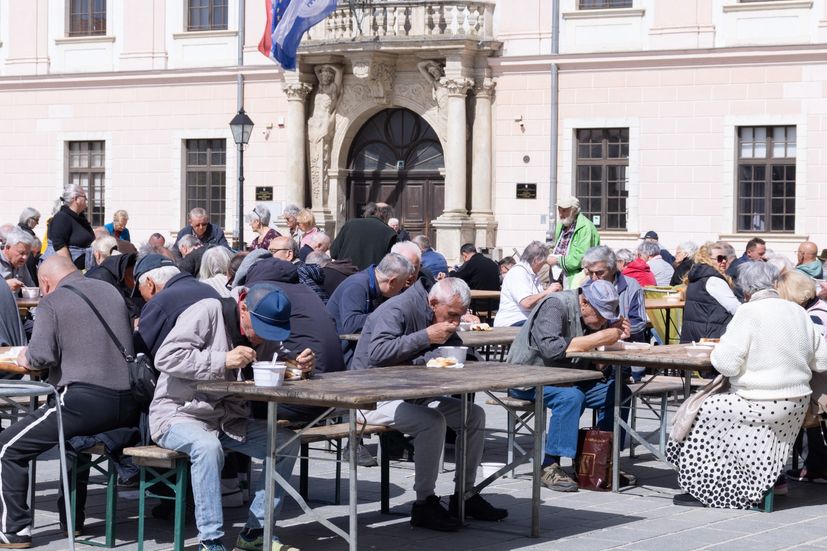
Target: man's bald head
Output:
[(54, 269), (807, 252)]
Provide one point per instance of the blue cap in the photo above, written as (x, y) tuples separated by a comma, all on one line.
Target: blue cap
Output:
[(602, 295), (269, 311)]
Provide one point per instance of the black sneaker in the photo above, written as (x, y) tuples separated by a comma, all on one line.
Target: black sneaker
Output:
[(432, 515), (686, 500), (477, 508), (20, 540)]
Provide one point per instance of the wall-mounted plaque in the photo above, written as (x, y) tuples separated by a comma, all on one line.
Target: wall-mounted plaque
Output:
[(264, 193), (526, 191)]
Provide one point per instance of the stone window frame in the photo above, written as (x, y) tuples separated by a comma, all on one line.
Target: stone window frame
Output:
[(604, 162), (215, 206), (84, 170), (762, 157), (209, 5)]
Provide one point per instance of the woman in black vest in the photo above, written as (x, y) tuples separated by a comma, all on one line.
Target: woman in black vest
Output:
[(710, 302)]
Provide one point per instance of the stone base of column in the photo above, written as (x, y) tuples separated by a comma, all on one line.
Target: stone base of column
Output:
[(485, 230), (452, 231), (325, 220)]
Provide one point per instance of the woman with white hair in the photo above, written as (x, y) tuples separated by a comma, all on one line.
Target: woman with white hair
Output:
[(29, 219), (684, 255), (521, 288), (117, 227), (739, 441), (259, 220), (70, 233), (215, 264)]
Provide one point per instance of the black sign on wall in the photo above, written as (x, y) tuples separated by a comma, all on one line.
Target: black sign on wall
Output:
[(526, 191), (264, 193)]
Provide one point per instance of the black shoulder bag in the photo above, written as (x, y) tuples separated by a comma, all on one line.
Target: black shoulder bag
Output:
[(142, 376)]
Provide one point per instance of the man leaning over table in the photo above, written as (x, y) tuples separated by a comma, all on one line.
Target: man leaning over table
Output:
[(407, 329), (577, 320), (201, 347)]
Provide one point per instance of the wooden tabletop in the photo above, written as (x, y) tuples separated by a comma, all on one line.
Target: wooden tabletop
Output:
[(477, 293), (496, 336), (10, 367), (662, 303), (363, 389), (673, 356)]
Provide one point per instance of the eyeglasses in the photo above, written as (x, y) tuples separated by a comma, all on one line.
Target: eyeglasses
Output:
[(595, 273), (274, 251), (721, 258)]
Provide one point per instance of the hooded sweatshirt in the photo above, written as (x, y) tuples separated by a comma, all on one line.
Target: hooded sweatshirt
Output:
[(639, 270)]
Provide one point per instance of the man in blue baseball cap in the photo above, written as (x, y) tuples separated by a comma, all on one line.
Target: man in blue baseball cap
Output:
[(212, 340), (576, 320)]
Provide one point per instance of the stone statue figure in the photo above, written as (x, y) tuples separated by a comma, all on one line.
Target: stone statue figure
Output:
[(433, 73), (320, 128)]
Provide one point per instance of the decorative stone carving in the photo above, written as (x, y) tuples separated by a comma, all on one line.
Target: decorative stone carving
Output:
[(320, 128), (296, 90), (457, 86), (435, 75), (379, 76), (485, 88)]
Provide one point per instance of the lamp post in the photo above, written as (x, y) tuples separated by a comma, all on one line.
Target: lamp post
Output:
[(242, 128)]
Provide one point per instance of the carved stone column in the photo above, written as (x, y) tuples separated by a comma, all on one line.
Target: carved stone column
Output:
[(481, 159), (296, 93), (456, 180)]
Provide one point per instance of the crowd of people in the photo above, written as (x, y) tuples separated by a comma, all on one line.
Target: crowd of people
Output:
[(202, 311)]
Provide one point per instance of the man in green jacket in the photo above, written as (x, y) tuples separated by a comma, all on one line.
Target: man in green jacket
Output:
[(573, 236)]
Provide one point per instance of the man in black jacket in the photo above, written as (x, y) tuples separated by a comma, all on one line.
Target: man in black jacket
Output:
[(478, 271), (364, 240), (201, 227), (118, 271)]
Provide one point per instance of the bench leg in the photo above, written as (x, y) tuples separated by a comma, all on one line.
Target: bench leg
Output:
[(337, 496), (511, 429), (769, 498), (181, 472), (664, 415), (304, 459), (384, 476), (111, 501), (632, 423), (142, 488)]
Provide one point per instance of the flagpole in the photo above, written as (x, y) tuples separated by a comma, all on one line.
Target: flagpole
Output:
[(239, 231)]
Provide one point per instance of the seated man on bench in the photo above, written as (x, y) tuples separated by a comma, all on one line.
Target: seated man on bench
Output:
[(406, 329), (200, 348), (570, 321)]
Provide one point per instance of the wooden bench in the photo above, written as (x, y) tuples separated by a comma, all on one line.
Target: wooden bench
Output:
[(103, 464), (159, 466), (661, 386), (336, 433)]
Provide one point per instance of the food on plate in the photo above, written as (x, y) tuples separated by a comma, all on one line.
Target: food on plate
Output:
[(293, 374), (480, 327), (442, 361)]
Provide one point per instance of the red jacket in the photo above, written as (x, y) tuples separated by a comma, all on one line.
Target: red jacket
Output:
[(638, 269)]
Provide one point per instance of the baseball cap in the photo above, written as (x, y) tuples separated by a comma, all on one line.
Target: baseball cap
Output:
[(651, 235), (269, 311), (568, 202), (603, 297), (148, 263)]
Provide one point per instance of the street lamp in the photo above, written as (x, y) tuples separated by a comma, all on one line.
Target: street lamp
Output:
[(242, 128)]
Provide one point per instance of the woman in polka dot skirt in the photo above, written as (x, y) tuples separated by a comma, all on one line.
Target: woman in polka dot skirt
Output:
[(740, 440)]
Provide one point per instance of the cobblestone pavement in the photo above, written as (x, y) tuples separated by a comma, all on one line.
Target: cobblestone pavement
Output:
[(641, 517)]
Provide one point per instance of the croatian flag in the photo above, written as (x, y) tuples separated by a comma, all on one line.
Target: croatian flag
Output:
[(287, 21)]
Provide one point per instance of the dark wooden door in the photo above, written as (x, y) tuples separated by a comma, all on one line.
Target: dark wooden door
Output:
[(396, 158)]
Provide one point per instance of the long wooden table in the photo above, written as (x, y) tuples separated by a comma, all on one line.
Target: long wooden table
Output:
[(674, 357), (503, 336), (355, 390)]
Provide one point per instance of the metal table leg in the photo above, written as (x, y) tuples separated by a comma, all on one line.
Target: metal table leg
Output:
[(539, 441), (270, 467), (461, 458), (70, 522), (616, 430), (352, 511)]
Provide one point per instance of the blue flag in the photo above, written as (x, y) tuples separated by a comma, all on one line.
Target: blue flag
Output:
[(287, 21)]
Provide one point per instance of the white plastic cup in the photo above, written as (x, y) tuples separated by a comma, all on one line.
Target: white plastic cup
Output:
[(456, 352), (265, 374), (490, 468)]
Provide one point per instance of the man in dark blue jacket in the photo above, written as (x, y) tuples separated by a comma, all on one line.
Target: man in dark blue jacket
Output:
[(361, 293), (201, 227)]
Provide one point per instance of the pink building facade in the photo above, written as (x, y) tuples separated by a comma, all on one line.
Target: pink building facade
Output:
[(701, 120)]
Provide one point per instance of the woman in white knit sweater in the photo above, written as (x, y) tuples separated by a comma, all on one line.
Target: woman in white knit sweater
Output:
[(740, 440)]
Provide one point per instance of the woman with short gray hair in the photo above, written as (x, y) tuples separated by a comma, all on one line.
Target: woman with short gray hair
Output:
[(739, 441), (684, 258), (29, 219), (521, 288), (70, 233), (215, 263), (259, 220)]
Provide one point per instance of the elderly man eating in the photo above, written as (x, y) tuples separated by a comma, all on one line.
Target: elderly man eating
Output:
[(570, 321), (407, 329), (16, 252)]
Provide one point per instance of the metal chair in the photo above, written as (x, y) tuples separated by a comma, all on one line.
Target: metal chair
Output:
[(10, 388)]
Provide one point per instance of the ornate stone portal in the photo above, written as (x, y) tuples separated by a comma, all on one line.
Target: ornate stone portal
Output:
[(348, 91)]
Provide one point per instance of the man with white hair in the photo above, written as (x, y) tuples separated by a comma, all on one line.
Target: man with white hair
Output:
[(363, 292), (521, 289), (16, 252), (573, 236), (401, 233), (413, 253), (167, 292), (319, 243), (187, 244), (650, 252), (205, 231), (409, 328)]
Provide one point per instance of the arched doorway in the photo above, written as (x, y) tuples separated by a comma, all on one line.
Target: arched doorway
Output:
[(396, 158)]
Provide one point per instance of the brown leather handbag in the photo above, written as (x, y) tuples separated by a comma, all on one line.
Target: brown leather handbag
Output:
[(594, 459)]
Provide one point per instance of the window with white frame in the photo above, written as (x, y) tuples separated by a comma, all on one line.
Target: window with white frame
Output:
[(206, 15), (766, 179), (87, 17), (603, 4), (206, 177), (86, 168), (601, 163)]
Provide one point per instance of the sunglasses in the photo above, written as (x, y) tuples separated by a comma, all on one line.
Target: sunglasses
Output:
[(595, 273), (721, 258)]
